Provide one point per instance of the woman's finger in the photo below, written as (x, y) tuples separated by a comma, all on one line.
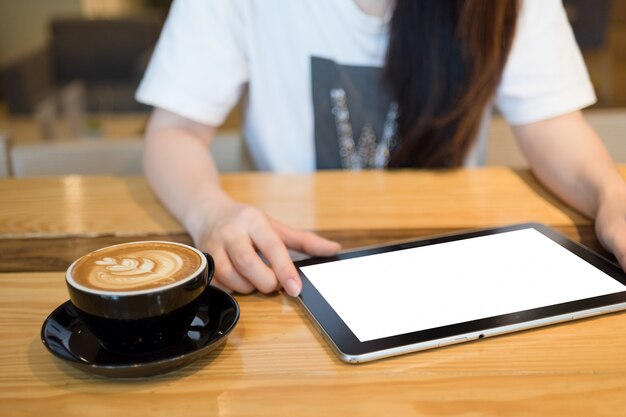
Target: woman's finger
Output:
[(249, 265), (226, 276), (305, 241), (267, 240)]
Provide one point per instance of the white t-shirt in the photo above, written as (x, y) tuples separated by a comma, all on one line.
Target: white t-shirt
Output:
[(287, 55)]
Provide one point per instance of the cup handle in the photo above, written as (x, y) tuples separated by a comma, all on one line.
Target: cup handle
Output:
[(210, 267)]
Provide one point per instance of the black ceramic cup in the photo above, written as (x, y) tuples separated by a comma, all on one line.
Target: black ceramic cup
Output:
[(139, 297)]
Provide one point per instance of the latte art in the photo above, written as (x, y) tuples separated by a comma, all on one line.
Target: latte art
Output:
[(139, 270), (130, 267)]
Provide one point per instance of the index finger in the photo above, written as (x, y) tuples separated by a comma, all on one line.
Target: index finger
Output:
[(274, 250)]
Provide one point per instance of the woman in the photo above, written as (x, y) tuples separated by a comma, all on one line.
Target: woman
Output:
[(363, 84)]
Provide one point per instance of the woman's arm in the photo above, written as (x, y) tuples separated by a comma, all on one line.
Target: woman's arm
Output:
[(569, 158), (178, 165)]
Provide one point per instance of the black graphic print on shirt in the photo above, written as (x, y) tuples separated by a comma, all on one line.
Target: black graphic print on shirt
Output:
[(358, 90)]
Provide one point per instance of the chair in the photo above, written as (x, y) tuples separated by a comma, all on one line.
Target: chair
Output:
[(74, 105), (230, 152), (502, 148), (85, 157), (113, 157), (46, 116), (609, 124), (5, 166)]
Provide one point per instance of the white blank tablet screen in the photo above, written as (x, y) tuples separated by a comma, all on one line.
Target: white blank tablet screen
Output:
[(432, 286)]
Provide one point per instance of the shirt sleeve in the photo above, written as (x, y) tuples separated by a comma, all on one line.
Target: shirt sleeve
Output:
[(545, 75), (198, 68)]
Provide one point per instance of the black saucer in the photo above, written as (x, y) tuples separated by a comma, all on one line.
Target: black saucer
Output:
[(67, 337)]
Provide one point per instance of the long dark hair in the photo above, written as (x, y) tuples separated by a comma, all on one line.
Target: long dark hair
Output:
[(444, 62)]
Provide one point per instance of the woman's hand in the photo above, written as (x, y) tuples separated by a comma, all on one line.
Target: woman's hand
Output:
[(182, 172), (610, 225), (239, 237)]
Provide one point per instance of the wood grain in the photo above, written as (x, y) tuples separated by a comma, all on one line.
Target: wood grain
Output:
[(402, 199), (95, 206), (45, 223), (275, 363), (81, 206), (56, 254)]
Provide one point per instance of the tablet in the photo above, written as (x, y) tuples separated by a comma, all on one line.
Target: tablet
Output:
[(389, 300)]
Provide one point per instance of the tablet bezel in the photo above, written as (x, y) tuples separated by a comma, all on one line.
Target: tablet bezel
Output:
[(351, 349)]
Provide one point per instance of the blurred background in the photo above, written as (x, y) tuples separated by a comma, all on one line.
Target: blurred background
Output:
[(69, 69)]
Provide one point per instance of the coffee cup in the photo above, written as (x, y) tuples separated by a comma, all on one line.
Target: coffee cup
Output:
[(139, 297)]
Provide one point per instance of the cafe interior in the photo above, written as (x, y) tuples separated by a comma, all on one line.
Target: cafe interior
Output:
[(71, 181)]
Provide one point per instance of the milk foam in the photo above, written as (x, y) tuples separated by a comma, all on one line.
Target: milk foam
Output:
[(136, 266), (129, 272)]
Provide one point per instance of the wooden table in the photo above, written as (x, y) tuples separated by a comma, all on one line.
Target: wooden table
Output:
[(275, 362)]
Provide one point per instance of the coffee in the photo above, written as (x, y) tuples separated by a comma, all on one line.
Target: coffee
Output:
[(139, 297), (136, 266)]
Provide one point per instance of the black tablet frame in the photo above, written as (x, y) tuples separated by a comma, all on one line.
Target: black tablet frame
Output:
[(350, 349)]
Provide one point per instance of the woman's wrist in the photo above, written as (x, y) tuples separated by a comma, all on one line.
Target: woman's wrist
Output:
[(611, 191), (203, 210)]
